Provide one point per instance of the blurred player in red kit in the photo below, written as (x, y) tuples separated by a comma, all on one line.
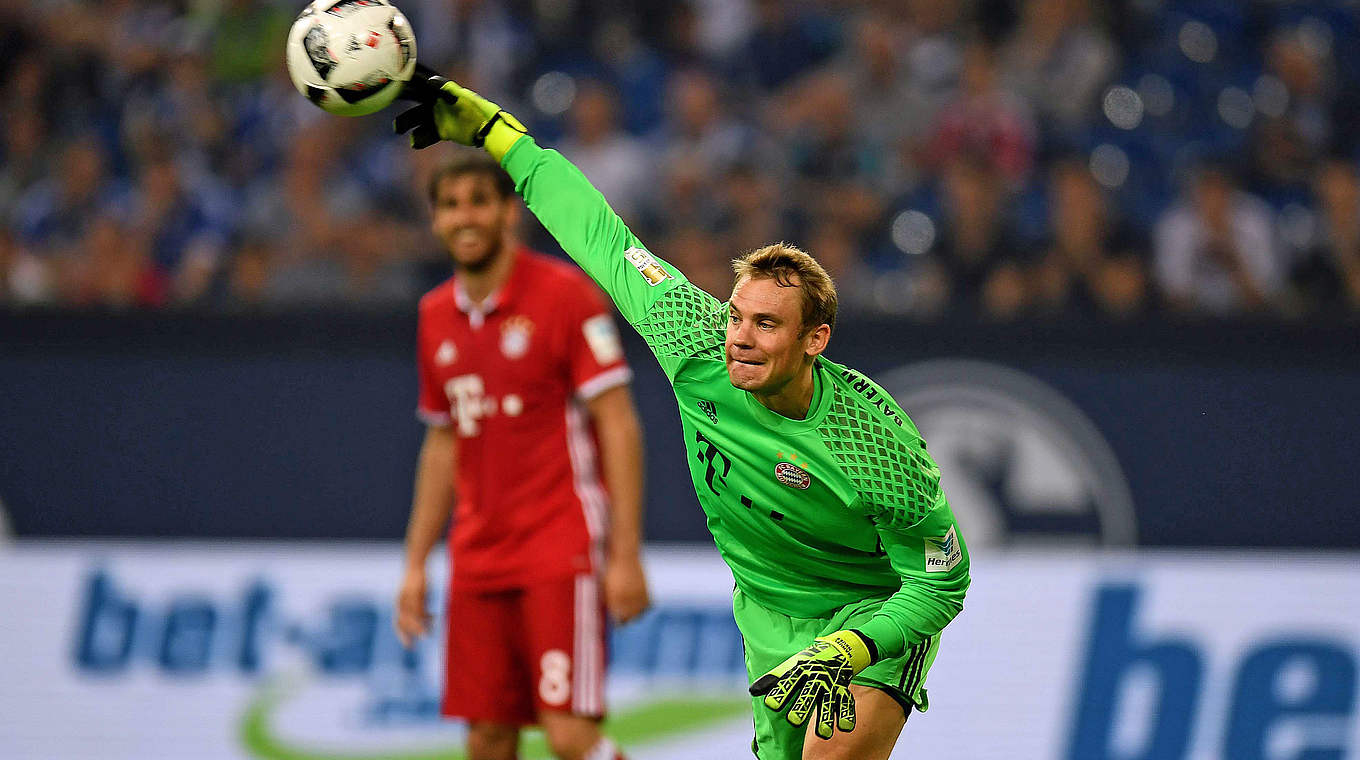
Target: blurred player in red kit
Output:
[(522, 382)]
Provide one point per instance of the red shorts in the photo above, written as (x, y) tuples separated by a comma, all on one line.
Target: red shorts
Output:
[(510, 654)]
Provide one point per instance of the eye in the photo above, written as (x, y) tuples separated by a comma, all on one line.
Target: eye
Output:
[(766, 325), (733, 318)]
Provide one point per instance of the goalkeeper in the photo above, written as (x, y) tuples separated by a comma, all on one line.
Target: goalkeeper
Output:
[(817, 487)]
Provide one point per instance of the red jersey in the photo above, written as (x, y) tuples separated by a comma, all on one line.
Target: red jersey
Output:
[(510, 375)]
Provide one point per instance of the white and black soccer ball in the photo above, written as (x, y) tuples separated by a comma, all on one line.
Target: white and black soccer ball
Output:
[(351, 57)]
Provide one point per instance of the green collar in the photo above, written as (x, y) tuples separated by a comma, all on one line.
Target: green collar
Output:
[(821, 402)]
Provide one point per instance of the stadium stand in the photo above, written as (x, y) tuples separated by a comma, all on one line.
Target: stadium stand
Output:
[(938, 155)]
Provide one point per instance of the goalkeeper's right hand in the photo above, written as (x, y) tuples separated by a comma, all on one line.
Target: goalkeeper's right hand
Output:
[(446, 110)]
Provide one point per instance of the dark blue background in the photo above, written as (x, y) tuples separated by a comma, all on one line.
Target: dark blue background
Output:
[(301, 425)]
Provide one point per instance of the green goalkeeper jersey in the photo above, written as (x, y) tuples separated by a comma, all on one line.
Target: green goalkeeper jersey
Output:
[(809, 514)]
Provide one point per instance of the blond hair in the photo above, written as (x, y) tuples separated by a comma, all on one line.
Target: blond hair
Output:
[(790, 267)]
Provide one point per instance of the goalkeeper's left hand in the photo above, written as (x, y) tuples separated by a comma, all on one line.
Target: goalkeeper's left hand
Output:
[(446, 110), (823, 670)]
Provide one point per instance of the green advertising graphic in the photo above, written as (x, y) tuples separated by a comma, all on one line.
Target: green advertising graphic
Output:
[(639, 725)]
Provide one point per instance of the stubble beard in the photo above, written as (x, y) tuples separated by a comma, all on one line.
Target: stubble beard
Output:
[(483, 262), (479, 265)]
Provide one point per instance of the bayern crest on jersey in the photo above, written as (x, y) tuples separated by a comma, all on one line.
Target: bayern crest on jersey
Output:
[(515, 336), (446, 353)]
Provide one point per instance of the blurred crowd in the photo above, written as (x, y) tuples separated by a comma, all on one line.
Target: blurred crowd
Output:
[(999, 160)]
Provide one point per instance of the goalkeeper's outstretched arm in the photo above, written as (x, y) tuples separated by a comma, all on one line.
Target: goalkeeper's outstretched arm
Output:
[(576, 214)]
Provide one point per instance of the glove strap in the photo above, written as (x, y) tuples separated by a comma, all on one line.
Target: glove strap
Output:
[(855, 646), (499, 146), (868, 644)]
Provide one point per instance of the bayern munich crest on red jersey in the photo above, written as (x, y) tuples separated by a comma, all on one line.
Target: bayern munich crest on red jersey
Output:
[(515, 336)]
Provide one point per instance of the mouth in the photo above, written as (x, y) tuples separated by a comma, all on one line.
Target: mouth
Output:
[(747, 362), (467, 237)]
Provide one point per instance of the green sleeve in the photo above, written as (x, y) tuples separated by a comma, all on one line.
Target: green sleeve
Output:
[(932, 560), (678, 320)]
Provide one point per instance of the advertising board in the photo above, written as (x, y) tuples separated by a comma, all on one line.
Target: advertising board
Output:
[(286, 651)]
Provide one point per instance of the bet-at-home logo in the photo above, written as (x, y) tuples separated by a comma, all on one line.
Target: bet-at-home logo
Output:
[(327, 679), (942, 554), (1021, 464)]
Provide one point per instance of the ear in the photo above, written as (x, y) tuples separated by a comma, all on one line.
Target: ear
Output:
[(433, 229), (816, 340)]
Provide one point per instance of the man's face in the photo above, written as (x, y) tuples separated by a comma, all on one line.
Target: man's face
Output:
[(766, 346), (471, 219)]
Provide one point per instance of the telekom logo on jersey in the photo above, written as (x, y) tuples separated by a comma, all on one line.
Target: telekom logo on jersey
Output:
[(469, 404)]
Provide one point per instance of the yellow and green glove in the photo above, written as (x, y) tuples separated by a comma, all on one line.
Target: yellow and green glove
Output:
[(821, 677), (445, 110)]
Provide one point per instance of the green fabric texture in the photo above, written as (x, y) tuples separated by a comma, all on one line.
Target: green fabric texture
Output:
[(811, 515), (769, 636), (899, 479), (685, 323)]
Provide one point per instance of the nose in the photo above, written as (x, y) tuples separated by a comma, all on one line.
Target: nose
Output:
[(741, 334), (459, 216)]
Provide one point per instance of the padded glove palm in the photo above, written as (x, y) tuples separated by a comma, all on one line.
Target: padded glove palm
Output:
[(820, 675)]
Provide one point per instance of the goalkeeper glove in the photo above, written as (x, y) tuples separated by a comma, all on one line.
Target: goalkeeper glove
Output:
[(823, 671), (446, 110)]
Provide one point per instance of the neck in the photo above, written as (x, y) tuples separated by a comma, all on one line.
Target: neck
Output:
[(483, 282), (794, 399)]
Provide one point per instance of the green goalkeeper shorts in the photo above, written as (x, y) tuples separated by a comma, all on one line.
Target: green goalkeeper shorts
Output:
[(770, 637)]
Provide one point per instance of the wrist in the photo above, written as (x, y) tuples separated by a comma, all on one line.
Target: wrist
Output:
[(623, 552), (857, 648), (502, 134), (868, 644)]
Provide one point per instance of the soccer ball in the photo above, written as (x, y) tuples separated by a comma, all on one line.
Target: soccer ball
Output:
[(351, 57)]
